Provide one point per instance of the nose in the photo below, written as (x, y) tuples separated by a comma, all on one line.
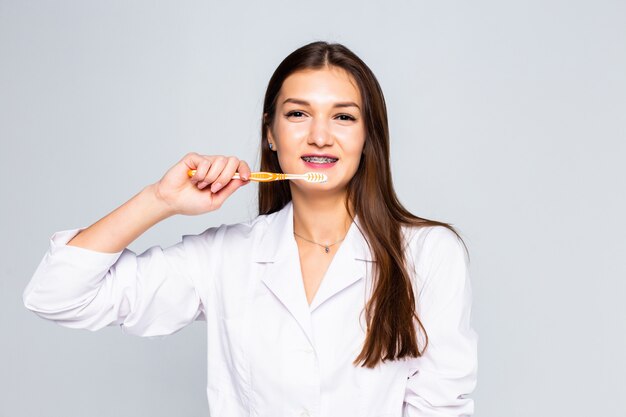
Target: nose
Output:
[(320, 134)]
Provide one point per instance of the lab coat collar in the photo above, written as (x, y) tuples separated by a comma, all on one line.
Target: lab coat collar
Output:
[(278, 250), (279, 236)]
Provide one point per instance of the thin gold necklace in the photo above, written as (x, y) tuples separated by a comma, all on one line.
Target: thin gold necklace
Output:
[(326, 247)]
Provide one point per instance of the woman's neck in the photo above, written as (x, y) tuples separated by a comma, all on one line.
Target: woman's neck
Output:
[(321, 219)]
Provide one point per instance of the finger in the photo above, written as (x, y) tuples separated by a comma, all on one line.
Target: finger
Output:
[(226, 175), (217, 165), (201, 171), (244, 170), (192, 160)]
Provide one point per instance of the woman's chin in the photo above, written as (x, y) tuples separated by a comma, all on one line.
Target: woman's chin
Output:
[(331, 187)]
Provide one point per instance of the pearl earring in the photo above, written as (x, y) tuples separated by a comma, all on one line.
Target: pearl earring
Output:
[(271, 146)]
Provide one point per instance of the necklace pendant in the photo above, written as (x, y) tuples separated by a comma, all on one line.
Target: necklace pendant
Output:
[(326, 249)]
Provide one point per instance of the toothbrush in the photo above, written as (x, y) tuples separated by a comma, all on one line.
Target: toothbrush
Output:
[(315, 177)]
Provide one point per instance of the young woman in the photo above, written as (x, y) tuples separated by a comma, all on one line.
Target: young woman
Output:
[(334, 301)]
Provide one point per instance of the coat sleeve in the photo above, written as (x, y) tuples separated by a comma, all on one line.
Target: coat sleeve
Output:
[(151, 294), (440, 381)]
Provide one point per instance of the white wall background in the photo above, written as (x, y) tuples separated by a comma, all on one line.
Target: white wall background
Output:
[(507, 120)]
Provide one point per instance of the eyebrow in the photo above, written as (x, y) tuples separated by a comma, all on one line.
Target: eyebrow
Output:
[(306, 103)]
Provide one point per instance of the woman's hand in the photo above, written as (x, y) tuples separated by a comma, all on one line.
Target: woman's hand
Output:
[(209, 187)]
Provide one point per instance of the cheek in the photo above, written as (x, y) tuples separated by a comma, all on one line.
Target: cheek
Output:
[(288, 157), (356, 145), (294, 132), (284, 127), (352, 137), (356, 153)]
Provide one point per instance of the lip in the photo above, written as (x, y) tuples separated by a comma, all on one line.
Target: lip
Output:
[(319, 166)]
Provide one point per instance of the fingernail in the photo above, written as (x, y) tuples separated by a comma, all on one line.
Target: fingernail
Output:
[(216, 187)]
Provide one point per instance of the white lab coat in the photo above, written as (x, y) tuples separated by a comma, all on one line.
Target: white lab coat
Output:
[(269, 352)]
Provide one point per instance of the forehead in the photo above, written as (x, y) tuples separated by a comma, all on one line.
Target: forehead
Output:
[(321, 85)]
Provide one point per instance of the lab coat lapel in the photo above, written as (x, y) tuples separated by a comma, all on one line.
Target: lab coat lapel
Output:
[(349, 265), (282, 274), (278, 250)]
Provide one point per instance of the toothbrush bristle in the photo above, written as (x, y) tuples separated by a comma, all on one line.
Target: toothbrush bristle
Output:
[(316, 177)]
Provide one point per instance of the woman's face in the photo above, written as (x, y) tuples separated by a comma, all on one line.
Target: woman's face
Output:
[(318, 127)]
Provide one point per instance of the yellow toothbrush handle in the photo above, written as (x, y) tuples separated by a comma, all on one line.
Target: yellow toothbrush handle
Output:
[(264, 176), (254, 176)]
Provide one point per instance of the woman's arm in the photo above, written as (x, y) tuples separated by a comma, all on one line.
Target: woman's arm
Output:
[(88, 279), (441, 381), (123, 225), (155, 293), (175, 193)]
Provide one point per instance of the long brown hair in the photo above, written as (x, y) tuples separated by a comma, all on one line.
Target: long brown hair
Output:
[(390, 311)]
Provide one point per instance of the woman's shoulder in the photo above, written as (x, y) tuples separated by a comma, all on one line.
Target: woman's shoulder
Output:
[(430, 242), (437, 257), (415, 233)]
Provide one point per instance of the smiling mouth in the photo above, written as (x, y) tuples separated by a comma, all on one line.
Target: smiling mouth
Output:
[(319, 159)]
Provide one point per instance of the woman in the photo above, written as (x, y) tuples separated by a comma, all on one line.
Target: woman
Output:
[(334, 301)]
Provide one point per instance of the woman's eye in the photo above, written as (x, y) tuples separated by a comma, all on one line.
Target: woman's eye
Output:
[(299, 115)]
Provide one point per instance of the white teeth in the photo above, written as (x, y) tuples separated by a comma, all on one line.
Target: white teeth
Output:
[(319, 159)]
